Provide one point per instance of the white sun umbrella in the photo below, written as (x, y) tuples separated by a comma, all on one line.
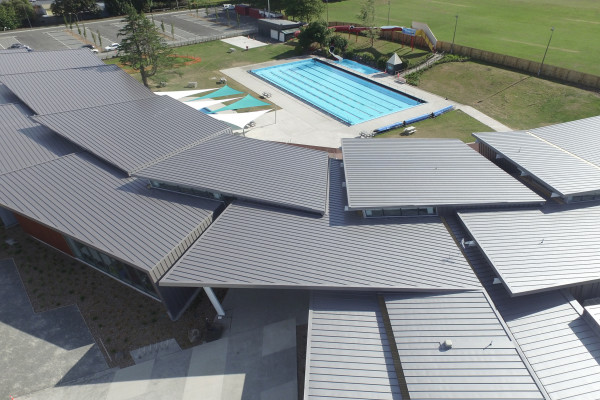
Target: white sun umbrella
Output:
[(200, 104), (239, 119), (180, 94)]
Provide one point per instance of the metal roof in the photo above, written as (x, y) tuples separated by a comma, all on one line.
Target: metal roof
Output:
[(559, 345), (250, 169), (23, 142), (261, 246), (73, 89), (563, 172), (6, 96), (425, 172), (578, 137), (483, 362), (134, 134), (18, 62), (88, 200), (348, 354), (540, 249)]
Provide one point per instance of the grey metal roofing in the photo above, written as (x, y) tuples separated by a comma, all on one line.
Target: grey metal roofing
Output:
[(563, 172), (250, 169), (15, 62), (425, 172), (578, 137), (261, 246), (134, 134), (6, 96), (348, 354), (483, 362), (20, 50), (558, 344), (540, 249), (86, 199), (23, 142), (72, 89)]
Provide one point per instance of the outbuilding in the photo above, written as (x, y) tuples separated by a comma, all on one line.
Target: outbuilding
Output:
[(394, 65), (278, 29)]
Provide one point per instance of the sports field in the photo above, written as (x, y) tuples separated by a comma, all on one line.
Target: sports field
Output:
[(518, 28)]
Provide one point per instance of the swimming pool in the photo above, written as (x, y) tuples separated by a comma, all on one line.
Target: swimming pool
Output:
[(357, 66), (342, 94)]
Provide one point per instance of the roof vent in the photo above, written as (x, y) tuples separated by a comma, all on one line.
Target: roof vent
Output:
[(467, 243), (447, 345), (346, 208), (496, 281), (343, 184)]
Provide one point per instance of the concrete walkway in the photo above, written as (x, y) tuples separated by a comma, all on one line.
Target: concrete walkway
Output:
[(301, 123), (254, 360), (40, 350)]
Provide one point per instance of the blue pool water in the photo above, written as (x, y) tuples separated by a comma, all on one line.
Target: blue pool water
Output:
[(343, 95), (358, 67)]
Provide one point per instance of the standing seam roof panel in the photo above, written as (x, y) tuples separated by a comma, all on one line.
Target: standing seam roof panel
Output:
[(73, 89), (425, 172), (92, 202), (25, 62), (250, 169), (25, 142), (483, 361), (260, 246), (560, 346), (135, 134)]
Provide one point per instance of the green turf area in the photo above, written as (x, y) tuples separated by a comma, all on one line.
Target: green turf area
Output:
[(518, 28), (517, 100), (454, 124)]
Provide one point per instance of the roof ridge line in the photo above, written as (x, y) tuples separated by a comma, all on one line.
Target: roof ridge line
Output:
[(563, 150)]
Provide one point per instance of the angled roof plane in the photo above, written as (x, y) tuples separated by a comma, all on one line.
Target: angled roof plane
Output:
[(250, 169), (260, 246), (52, 91), (25, 62), (162, 127), (425, 172)]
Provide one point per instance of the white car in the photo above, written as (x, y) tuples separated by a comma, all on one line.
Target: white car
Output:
[(228, 7), (113, 46)]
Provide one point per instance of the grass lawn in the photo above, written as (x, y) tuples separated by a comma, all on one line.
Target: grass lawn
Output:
[(517, 100), (518, 28), (454, 124)]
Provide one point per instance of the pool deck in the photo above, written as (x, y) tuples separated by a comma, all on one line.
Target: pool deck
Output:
[(299, 122)]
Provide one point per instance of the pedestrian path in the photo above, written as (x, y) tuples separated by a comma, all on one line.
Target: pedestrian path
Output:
[(484, 119)]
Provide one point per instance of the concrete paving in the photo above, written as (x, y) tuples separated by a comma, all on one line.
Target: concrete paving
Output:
[(255, 359), (40, 350), (301, 123)]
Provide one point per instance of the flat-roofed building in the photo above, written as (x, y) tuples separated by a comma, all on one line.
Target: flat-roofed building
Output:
[(407, 177)]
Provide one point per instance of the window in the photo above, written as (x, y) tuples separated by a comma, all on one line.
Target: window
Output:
[(186, 190), (115, 268)]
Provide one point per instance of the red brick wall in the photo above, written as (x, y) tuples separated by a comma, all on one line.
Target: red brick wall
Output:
[(44, 234)]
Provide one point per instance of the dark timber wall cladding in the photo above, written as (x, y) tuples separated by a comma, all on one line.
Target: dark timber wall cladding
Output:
[(44, 234)]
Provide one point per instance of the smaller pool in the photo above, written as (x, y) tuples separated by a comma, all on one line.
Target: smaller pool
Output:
[(358, 67)]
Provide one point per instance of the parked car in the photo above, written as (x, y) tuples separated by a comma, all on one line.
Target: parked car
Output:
[(228, 7), (92, 48), (113, 46)]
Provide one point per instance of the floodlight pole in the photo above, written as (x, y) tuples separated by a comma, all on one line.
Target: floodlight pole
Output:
[(389, 12), (327, 8), (545, 52), (453, 36)]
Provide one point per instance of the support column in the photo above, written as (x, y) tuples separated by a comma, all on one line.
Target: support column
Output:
[(215, 302)]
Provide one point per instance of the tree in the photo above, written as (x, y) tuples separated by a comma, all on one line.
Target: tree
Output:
[(16, 14), (367, 18), (305, 10), (315, 32), (65, 7), (8, 17), (143, 47)]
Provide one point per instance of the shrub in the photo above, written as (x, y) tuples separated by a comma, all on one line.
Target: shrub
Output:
[(367, 58), (339, 42), (349, 54)]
